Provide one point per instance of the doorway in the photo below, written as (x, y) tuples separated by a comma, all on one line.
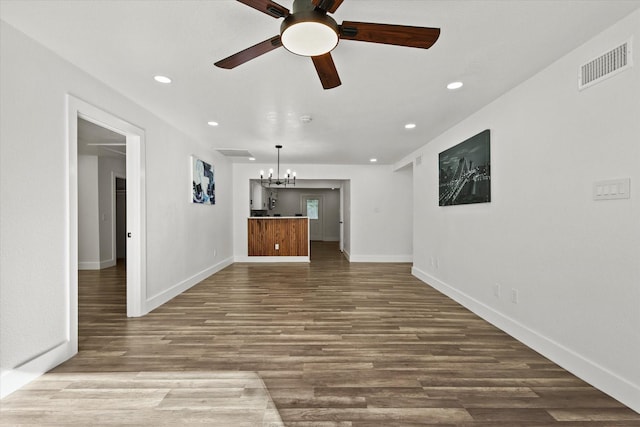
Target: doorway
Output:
[(121, 220), (135, 214), (101, 166)]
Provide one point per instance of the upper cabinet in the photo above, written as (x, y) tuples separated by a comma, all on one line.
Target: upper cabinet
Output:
[(259, 196)]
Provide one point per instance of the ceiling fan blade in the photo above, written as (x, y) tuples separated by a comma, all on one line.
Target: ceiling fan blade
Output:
[(326, 71), (249, 53), (399, 35), (328, 5), (267, 6)]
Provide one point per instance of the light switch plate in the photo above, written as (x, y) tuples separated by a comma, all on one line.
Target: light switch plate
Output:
[(612, 189)]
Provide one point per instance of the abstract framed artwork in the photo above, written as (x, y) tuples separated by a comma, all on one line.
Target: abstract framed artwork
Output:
[(465, 171), (203, 182)]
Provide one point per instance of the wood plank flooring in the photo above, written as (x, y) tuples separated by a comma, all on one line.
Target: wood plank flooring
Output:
[(336, 344)]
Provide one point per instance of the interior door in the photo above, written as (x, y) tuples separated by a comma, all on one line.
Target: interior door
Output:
[(312, 208)]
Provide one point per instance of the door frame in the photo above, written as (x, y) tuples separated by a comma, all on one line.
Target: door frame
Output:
[(136, 207)]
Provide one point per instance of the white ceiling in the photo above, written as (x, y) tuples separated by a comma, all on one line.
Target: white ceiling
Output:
[(490, 45)]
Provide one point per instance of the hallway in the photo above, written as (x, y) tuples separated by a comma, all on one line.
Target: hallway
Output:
[(336, 344)]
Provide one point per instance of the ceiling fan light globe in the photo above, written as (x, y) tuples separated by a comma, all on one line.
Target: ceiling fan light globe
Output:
[(313, 36)]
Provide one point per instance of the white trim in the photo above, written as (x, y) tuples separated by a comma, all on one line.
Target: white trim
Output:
[(107, 263), (258, 259), (96, 265), (136, 221), (164, 296), (71, 272), (14, 379), (136, 196), (89, 265), (600, 377), (380, 258)]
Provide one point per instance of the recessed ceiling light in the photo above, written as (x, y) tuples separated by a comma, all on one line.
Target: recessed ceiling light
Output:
[(212, 123), (252, 158), (410, 126), (454, 85), (373, 160), (162, 79)]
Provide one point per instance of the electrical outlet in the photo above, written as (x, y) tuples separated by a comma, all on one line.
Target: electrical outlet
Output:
[(277, 246), (215, 252), (437, 263), (496, 290), (514, 296)]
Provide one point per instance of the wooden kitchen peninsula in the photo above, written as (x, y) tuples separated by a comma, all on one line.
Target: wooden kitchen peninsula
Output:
[(279, 237)]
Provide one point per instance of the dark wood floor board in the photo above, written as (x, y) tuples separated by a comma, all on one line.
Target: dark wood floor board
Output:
[(336, 344)]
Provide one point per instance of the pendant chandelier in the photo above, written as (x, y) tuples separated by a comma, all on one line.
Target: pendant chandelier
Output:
[(270, 180)]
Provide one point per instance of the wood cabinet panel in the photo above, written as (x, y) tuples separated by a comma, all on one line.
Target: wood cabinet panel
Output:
[(291, 234)]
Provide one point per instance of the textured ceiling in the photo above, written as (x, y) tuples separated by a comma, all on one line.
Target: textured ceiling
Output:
[(490, 45)]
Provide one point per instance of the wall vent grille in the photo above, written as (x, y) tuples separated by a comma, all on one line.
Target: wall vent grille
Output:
[(230, 152), (604, 66)]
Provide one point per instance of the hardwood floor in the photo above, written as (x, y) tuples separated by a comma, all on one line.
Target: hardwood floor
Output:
[(336, 344)]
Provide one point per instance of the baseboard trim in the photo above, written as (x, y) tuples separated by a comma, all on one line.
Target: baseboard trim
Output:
[(16, 378), (157, 300), (107, 263), (96, 265), (259, 259), (88, 265), (381, 258), (615, 386)]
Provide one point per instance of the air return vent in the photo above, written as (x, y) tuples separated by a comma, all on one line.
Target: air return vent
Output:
[(604, 66), (230, 152)]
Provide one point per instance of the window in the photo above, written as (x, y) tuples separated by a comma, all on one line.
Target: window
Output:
[(312, 208)]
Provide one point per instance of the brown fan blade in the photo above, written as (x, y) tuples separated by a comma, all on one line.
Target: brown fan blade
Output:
[(267, 6), (399, 35), (249, 53), (326, 71), (328, 5)]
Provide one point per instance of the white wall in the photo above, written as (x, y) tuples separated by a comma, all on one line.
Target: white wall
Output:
[(88, 214), (108, 168), (185, 242), (573, 261), (379, 209)]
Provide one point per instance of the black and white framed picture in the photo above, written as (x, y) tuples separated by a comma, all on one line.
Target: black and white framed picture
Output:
[(203, 183), (465, 171)]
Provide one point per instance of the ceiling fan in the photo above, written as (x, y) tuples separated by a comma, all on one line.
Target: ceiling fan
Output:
[(309, 31)]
